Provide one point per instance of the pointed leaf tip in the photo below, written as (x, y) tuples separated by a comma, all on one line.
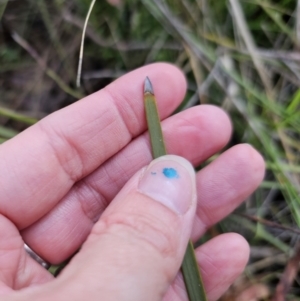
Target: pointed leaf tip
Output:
[(148, 86)]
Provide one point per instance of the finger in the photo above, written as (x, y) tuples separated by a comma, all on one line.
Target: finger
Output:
[(71, 143), (61, 232), (221, 261), (225, 184), (17, 269), (135, 250)]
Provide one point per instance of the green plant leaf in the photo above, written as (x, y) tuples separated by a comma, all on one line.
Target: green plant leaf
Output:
[(190, 270)]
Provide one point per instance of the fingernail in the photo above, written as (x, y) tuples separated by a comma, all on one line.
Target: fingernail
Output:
[(170, 180)]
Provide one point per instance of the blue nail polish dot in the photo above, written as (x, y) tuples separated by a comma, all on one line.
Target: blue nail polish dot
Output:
[(170, 173)]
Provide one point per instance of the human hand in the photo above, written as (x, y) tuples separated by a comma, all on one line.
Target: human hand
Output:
[(60, 175)]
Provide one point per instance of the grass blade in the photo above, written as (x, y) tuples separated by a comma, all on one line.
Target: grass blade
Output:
[(190, 270), (155, 132), (192, 276), (7, 132), (82, 43), (17, 116), (2, 8)]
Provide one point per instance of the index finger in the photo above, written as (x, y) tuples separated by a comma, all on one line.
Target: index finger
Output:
[(40, 165)]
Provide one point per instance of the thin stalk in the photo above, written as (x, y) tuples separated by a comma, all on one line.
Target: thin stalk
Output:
[(190, 270), (17, 116), (51, 73), (7, 132), (82, 43), (2, 8)]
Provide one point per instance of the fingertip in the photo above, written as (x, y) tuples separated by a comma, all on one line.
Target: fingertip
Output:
[(222, 260), (238, 246), (226, 183), (177, 77), (218, 124), (171, 181), (247, 153), (223, 253), (201, 131), (168, 81)]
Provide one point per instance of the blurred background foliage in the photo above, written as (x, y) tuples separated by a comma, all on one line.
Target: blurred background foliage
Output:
[(240, 55)]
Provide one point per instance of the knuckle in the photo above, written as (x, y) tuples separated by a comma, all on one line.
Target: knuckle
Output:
[(65, 151), (128, 110), (143, 230), (91, 199)]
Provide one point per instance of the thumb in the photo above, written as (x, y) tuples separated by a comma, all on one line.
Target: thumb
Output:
[(136, 248)]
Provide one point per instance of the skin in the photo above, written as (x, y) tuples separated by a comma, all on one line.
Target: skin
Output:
[(58, 177)]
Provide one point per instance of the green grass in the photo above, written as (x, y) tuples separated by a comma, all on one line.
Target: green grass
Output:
[(240, 55)]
